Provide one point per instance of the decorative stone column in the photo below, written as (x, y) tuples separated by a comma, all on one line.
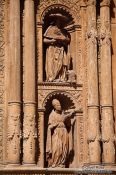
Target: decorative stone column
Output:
[(14, 102), (106, 85), (40, 51), (29, 128), (41, 137), (93, 101)]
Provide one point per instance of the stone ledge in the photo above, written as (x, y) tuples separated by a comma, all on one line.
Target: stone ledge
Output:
[(60, 84), (27, 169)]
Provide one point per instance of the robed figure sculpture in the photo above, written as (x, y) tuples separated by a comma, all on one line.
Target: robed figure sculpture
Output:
[(57, 54), (57, 146)]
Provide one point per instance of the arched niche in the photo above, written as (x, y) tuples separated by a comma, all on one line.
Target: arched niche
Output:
[(71, 25), (67, 102)]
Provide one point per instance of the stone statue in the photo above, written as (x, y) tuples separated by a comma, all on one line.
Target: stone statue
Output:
[(57, 60), (57, 146)]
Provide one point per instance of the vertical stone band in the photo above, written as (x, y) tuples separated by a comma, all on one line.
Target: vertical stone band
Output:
[(41, 138), (29, 129), (93, 100), (40, 52), (14, 105), (106, 85)]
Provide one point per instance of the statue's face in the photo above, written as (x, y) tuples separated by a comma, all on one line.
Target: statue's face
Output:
[(57, 106)]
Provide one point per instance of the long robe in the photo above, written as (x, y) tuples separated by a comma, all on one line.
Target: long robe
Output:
[(56, 58), (57, 140)]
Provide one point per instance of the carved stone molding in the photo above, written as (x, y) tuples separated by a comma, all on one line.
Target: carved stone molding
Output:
[(2, 73), (44, 93), (65, 5)]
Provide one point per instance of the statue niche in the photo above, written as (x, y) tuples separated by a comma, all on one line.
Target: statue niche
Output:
[(58, 58), (59, 146)]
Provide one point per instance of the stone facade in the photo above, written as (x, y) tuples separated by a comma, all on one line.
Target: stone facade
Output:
[(57, 87)]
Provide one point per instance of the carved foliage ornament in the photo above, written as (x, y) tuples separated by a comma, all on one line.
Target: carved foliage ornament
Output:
[(92, 34), (105, 33), (105, 38), (29, 124), (14, 132), (13, 124)]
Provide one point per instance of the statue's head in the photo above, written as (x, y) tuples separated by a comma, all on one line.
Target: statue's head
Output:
[(56, 104)]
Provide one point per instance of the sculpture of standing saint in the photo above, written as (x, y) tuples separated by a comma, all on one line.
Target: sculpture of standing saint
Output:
[(57, 60), (57, 146)]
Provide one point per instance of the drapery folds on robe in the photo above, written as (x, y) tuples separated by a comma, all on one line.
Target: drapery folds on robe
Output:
[(57, 60), (57, 146)]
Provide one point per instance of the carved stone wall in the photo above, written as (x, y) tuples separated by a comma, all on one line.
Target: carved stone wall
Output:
[(32, 32)]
